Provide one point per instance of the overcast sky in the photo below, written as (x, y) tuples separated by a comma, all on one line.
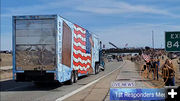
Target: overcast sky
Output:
[(118, 21)]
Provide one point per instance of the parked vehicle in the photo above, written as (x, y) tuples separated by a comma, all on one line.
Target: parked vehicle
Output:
[(109, 58), (51, 48), (119, 58)]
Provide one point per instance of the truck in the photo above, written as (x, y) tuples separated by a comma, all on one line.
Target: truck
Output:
[(49, 48)]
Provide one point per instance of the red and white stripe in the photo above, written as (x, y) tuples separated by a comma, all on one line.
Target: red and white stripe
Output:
[(81, 60)]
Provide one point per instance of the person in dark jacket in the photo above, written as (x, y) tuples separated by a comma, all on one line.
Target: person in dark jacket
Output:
[(154, 67), (178, 61), (157, 68), (169, 77)]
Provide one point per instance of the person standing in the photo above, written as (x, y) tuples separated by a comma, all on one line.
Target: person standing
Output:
[(157, 68), (148, 67), (153, 67), (162, 57), (165, 73), (178, 61), (169, 73)]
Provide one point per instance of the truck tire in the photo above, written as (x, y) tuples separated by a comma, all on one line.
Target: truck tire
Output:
[(71, 81), (75, 76), (96, 68)]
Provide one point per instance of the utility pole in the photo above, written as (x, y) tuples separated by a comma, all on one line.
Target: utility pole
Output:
[(152, 39)]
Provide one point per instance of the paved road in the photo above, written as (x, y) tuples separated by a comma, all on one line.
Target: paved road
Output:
[(13, 91), (100, 90), (129, 73)]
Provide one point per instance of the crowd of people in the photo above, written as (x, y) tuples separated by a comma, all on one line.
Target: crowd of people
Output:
[(155, 69), (167, 71), (152, 66)]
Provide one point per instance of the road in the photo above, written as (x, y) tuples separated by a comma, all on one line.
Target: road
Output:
[(13, 91), (100, 90)]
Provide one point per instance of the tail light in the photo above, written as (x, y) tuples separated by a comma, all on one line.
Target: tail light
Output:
[(14, 77), (55, 76)]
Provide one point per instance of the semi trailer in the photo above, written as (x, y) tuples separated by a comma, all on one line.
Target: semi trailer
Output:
[(50, 48)]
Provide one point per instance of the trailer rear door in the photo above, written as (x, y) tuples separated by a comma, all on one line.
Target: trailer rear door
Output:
[(35, 44)]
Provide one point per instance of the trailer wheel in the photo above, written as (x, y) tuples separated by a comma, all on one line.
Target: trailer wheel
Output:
[(75, 76), (71, 81), (96, 68)]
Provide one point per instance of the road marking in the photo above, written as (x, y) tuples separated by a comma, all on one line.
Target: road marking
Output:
[(87, 85)]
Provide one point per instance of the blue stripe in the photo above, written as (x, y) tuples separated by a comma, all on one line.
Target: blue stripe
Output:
[(88, 44)]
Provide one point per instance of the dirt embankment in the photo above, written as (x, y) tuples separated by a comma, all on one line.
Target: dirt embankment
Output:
[(5, 61)]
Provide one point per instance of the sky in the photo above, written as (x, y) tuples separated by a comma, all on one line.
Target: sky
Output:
[(118, 21)]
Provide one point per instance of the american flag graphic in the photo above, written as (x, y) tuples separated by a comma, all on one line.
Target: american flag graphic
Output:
[(82, 50), (146, 57)]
